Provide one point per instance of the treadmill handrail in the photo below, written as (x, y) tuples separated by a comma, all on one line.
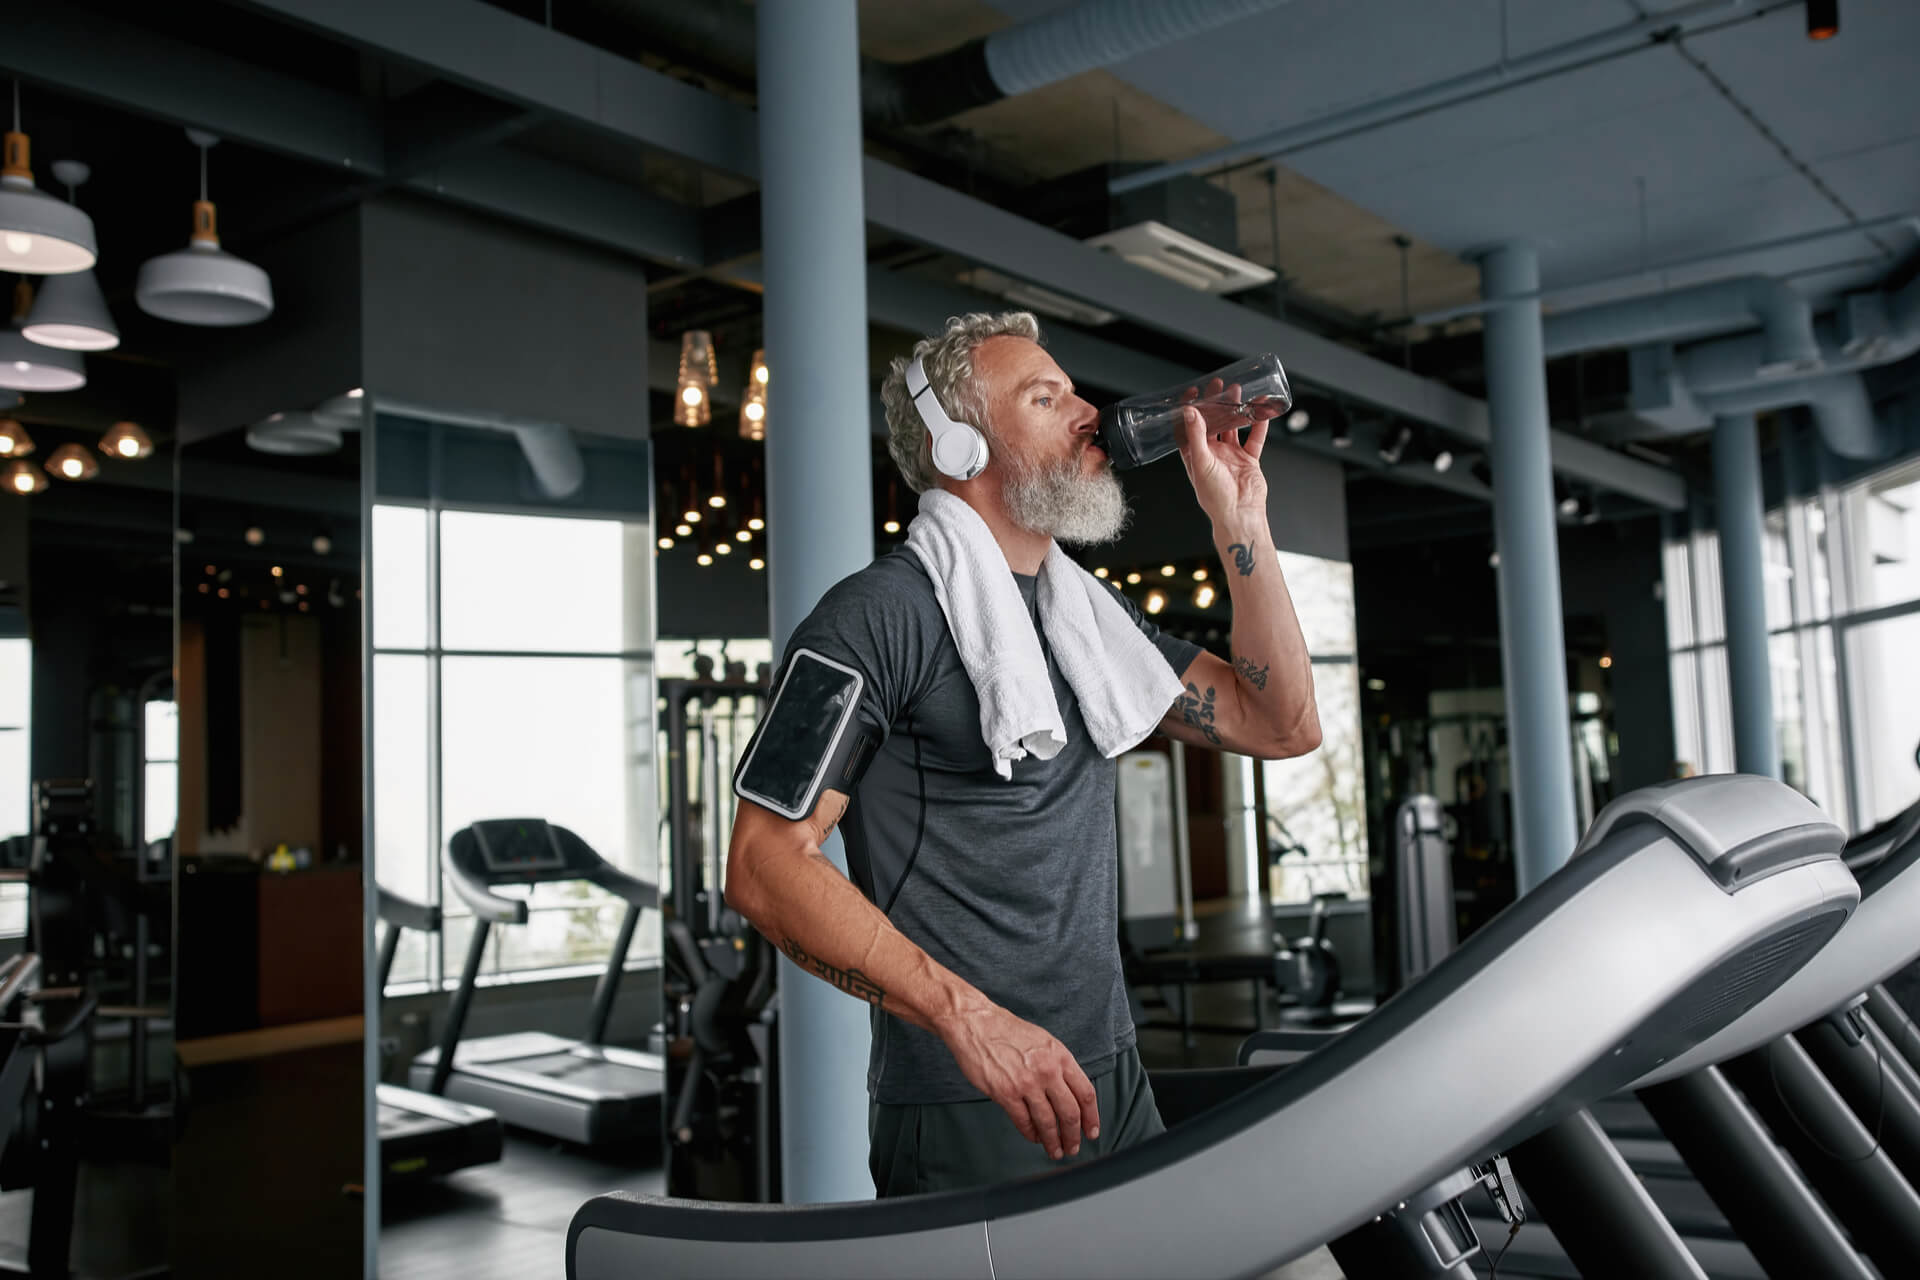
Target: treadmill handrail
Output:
[(407, 913), (636, 891), (1867, 849), (489, 906), (1741, 827), (1508, 942)]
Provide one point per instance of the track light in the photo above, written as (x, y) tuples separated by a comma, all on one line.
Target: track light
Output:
[(1443, 460), (1341, 436), (1299, 420), (1396, 445)]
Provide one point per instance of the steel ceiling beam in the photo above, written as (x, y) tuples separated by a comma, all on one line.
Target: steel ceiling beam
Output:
[(492, 51)]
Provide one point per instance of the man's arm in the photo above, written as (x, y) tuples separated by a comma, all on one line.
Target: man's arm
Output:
[(778, 878), (1263, 704)]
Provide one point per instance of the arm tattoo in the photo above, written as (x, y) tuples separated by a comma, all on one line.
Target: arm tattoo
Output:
[(1197, 711), (1255, 676), (852, 981), (1242, 558)]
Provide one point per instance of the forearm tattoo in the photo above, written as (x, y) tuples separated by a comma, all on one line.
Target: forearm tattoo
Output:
[(1255, 676), (1197, 710), (1242, 558), (852, 981)]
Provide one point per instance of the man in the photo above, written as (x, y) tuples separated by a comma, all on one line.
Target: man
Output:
[(982, 928)]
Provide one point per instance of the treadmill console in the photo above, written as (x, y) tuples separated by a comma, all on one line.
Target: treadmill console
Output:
[(516, 846)]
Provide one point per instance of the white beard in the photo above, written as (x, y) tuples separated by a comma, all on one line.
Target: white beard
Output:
[(1063, 502)]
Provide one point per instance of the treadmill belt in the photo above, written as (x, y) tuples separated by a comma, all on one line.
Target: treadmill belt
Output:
[(611, 1078)]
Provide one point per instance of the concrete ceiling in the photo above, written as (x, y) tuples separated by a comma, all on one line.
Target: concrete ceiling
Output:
[(1744, 132)]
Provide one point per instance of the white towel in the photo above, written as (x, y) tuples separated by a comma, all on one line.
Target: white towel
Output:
[(1123, 683)]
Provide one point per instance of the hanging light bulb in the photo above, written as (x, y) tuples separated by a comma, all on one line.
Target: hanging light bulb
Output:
[(322, 543), (1101, 572), (39, 235), (753, 402), (1167, 570), (693, 388), (1156, 601), (71, 462), (254, 535), (14, 440), (28, 366), (665, 543), (743, 535), (1203, 595), (1133, 579), (892, 526), (756, 564), (1200, 575), (71, 312), (23, 477), (126, 440), (683, 531), (203, 284)]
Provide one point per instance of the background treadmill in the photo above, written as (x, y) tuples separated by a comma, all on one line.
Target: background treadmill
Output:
[(422, 1136), (580, 1090)]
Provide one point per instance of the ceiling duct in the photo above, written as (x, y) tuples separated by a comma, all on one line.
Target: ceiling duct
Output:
[(1012, 61), (1722, 306)]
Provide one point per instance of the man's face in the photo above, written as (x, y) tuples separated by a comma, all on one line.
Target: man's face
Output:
[(1054, 479)]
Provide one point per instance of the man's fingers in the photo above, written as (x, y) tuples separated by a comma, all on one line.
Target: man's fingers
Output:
[(1066, 1110), (1044, 1123), (1257, 437), (1088, 1100), (1017, 1112)]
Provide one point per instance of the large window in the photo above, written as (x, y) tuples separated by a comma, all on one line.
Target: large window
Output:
[(16, 778), (160, 781), (512, 677), (1843, 613), (1316, 808)]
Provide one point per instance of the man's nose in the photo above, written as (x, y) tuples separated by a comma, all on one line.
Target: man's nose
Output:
[(1086, 417)]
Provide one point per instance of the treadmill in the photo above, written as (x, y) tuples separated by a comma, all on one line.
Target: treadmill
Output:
[(1546, 1009), (582, 1090), (422, 1136)]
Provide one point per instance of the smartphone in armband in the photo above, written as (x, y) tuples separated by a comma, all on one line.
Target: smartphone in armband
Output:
[(809, 739)]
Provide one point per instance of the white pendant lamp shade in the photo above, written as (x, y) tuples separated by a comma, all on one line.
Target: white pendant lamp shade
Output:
[(126, 441), (71, 313), (39, 235), (71, 462), (28, 366), (203, 284), (294, 435)]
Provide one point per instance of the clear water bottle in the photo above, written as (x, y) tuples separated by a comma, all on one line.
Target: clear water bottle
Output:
[(1146, 428)]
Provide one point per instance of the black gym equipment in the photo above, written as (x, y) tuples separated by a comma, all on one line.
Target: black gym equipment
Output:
[(423, 1136), (582, 1090), (1541, 1012), (720, 1024)]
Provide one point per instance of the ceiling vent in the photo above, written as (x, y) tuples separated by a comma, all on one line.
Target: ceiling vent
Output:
[(1181, 258), (1035, 298)]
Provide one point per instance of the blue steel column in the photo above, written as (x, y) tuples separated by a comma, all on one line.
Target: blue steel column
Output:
[(819, 506), (1743, 587), (1533, 645)]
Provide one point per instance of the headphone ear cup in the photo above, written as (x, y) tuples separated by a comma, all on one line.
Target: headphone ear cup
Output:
[(960, 453)]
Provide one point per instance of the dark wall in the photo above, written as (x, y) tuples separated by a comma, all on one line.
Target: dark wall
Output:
[(466, 314), (1612, 572)]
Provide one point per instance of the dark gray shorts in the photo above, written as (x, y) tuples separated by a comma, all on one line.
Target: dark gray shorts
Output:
[(951, 1145)]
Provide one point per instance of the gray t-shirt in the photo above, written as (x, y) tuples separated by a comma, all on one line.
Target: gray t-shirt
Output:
[(1011, 884)]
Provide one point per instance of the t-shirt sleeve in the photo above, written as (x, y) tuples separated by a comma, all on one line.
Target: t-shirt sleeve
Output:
[(872, 625), (1178, 653)]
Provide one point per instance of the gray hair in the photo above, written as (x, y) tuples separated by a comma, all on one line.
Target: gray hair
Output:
[(948, 359)]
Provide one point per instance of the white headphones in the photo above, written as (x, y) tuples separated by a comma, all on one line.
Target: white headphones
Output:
[(959, 449)]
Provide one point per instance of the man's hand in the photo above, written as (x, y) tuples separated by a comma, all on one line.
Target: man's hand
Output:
[(1030, 1074), (1226, 474)]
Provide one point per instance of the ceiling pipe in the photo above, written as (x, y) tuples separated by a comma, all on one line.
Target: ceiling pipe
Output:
[(1842, 411), (1866, 330), (1645, 32), (1785, 318), (1013, 61)]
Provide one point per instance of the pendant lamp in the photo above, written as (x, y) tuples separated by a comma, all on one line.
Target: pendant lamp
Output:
[(692, 389), (39, 235), (23, 477), (14, 440), (126, 441), (70, 311), (203, 284), (71, 462), (28, 366)]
